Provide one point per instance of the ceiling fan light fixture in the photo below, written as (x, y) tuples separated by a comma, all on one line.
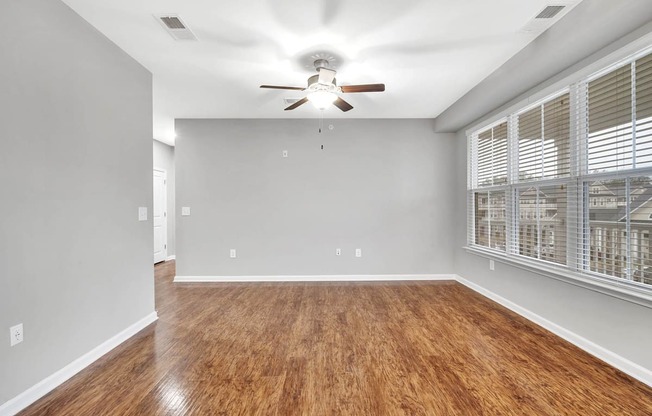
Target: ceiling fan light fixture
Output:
[(322, 99)]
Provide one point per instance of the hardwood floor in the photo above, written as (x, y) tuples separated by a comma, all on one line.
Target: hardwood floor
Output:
[(417, 348)]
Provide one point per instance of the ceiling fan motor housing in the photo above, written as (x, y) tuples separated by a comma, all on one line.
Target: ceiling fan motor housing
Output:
[(322, 63)]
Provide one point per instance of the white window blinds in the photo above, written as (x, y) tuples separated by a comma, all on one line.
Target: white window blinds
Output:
[(492, 156), (644, 111), (544, 140), (610, 122), (567, 183)]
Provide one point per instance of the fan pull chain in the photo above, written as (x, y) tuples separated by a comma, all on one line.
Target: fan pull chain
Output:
[(321, 120)]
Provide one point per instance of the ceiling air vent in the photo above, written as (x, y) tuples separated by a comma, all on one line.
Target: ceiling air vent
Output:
[(549, 12), (548, 16), (173, 24)]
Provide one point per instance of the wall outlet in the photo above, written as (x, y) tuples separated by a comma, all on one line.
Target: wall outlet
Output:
[(232, 253), (491, 265), (338, 252), (142, 213), (285, 153), (358, 252), (16, 333), (185, 211)]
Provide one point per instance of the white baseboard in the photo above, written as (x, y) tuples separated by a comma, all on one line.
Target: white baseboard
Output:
[(172, 257), (48, 384), (315, 278), (638, 372)]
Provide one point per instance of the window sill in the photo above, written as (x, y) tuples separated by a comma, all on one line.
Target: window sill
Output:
[(624, 290)]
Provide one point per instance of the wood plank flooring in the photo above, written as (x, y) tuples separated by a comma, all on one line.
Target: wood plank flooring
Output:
[(409, 348)]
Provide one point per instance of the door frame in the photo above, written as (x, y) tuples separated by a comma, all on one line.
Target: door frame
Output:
[(165, 211)]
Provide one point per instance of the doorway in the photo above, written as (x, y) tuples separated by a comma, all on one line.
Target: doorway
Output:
[(159, 216)]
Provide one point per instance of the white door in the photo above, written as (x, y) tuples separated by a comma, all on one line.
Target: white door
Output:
[(159, 216)]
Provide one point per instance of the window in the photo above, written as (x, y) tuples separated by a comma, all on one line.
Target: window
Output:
[(542, 230), (567, 182), (490, 229)]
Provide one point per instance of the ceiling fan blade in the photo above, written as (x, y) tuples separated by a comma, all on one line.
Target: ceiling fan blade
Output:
[(363, 88), (281, 87), (342, 105), (297, 104), (326, 76)]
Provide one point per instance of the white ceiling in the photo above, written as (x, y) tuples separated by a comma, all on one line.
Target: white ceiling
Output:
[(429, 53)]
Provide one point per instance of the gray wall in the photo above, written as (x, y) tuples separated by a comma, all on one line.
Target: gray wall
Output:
[(75, 164), (617, 325), (380, 185), (164, 159)]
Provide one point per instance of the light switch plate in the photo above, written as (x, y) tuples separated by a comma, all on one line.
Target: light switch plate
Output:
[(232, 253), (285, 153), (358, 252), (185, 211), (142, 213), (338, 252)]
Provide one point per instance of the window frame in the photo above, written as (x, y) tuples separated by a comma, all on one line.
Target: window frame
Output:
[(574, 270)]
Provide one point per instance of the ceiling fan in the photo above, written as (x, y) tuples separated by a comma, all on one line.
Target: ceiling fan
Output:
[(323, 89)]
